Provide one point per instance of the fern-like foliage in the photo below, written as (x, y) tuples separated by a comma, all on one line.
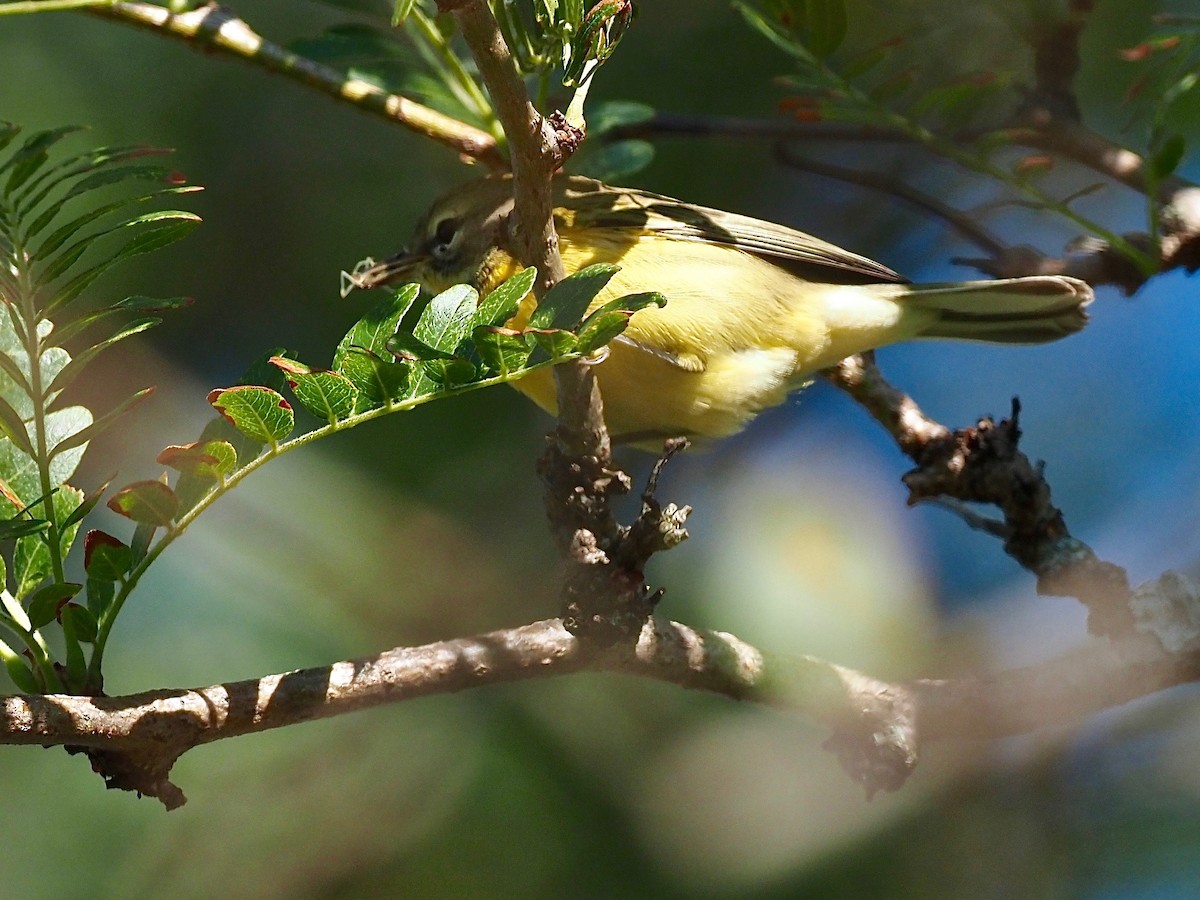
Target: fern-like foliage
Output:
[(555, 43), (407, 351), (60, 230), (833, 84)]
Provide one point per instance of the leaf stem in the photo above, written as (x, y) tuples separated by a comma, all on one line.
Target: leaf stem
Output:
[(108, 618)]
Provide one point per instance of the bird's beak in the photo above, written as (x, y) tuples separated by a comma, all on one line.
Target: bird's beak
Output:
[(368, 273)]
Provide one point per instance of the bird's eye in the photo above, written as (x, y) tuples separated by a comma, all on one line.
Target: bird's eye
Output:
[(445, 231)]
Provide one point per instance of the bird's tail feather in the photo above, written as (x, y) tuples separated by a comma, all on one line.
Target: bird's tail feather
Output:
[(1029, 310)]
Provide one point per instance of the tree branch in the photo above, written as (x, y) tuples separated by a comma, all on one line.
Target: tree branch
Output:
[(213, 26), (134, 741), (983, 464)]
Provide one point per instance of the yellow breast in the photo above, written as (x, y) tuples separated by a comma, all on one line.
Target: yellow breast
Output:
[(731, 340)]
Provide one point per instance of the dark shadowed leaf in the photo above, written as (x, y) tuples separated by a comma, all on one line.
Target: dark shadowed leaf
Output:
[(566, 302), (45, 602), (502, 350), (617, 161), (79, 619), (148, 502), (378, 381), (105, 557)]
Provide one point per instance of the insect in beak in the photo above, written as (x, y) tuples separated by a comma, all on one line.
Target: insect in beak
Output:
[(368, 273)]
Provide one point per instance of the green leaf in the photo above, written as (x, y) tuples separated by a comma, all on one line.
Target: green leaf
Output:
[(1169, 156), (604, 117), (503, 350), (169, 227), (20, 526), (326, 394), (148, 502), (378, 381), (566, 302), (555, 341), (80, 620), (51, 244), (31, 558), (503, 302), (32, 155), (257, 412), (352, 42), (105, 557), (210, 460), (602, 329), (95, 181), (446, 321), (628, 302), (100, 595), (14, 429), (449, 372), (71, 370), (400, 11), (19, 672), (372, 331), (408, 347), (87, 505), (137, 304), (75, 440), (826, 25), (616, 161), (46, 601)]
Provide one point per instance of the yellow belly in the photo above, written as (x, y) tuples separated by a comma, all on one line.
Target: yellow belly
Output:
[(736, 336)]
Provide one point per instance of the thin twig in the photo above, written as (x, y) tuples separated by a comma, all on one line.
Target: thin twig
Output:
[(966, 224), (213, 26), (983, 464)]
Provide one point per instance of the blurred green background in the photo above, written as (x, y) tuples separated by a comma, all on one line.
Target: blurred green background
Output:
[(428, 525)]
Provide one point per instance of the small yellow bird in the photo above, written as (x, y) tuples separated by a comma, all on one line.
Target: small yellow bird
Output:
[(753, 308)]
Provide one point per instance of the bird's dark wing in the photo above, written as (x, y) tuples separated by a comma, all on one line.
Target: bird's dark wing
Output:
[(592, 204)]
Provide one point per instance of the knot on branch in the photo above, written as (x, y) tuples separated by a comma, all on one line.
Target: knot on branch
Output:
[(879, 748), (984, 464), (605, 598), (143, 772), (1169, 608), (567, 137), (1181, 230)]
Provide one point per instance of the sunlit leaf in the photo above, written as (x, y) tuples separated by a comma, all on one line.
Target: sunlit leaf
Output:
[(554, 341), (257, 412), (372, 331), (446, 321), (14, 429), (31, 558), (211, 460), (502, 303), (326, 394)]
